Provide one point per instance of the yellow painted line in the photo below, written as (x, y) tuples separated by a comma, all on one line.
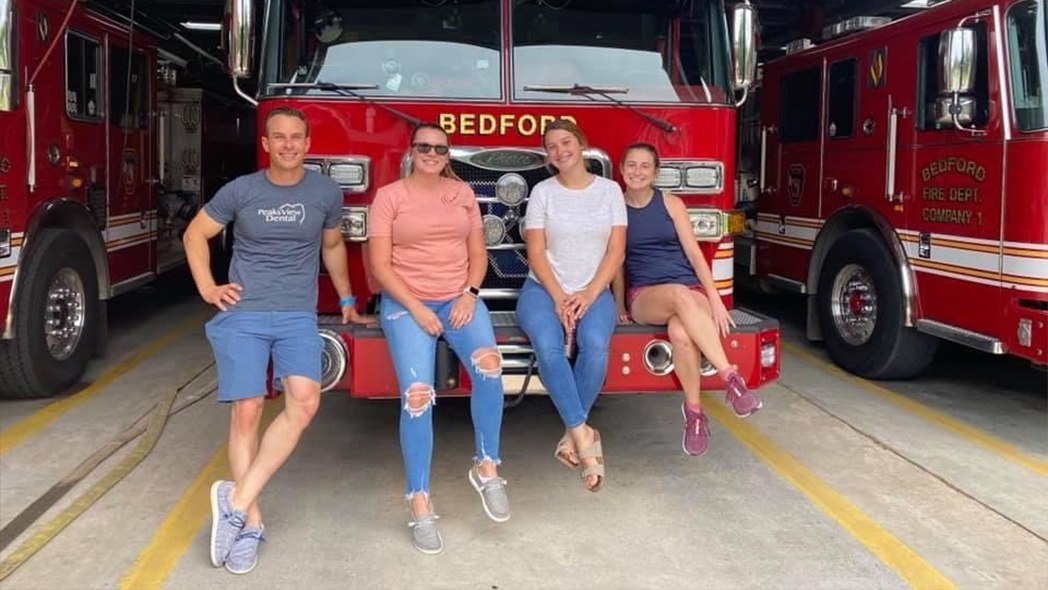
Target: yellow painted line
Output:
[(171, 540), (895, 554), (17, 433), (962, 429)]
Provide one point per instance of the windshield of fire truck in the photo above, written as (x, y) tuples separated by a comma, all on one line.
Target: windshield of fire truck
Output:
[(406, 48), (1028, 57), (657, 50)]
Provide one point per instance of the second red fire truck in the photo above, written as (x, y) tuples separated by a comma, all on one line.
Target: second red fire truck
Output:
[(493, 73), (102, 163), (905, 185)]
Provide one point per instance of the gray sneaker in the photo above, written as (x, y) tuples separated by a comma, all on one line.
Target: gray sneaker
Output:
[(425, 535), (243, 557), (492, 495), (225, 522)]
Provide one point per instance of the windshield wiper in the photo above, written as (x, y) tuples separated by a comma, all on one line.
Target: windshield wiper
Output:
[(347, 90), (605, 92)]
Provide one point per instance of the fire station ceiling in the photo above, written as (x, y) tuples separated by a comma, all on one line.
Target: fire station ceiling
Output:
[(781, 21)]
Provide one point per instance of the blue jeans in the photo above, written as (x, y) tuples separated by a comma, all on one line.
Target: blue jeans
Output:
[(414, 355), (573, 390)]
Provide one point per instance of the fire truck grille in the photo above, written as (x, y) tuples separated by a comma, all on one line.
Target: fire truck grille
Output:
[(508, 261)]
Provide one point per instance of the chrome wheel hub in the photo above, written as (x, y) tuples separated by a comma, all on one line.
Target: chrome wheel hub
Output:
[(64, 313), (853, 303)]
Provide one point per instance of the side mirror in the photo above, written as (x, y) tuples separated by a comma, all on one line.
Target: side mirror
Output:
[(957, 78), (744, 45), (239, 35), (957, 61)]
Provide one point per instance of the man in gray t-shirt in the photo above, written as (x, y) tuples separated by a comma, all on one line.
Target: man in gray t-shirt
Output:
[(276, 248), (285, 219)]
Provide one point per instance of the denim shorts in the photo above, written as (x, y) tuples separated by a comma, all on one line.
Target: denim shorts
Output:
[(245, 341)]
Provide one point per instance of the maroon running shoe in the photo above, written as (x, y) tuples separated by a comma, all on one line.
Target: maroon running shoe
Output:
[(742, 400), (696, 431)]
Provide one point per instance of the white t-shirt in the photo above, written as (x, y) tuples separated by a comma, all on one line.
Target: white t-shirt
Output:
[(578, 225)]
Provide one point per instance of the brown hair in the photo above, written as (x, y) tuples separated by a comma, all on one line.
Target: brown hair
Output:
[(287, 112), (563, 125), (446, 171), (640, 145)]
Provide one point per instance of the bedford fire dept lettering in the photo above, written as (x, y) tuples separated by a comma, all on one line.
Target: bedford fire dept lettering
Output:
[(502, 124), (286, 213), (954, 164)]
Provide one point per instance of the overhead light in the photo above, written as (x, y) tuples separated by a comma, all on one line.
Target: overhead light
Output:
[(195, 26)]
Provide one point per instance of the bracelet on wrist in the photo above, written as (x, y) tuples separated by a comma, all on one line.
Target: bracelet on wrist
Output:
[(351, 300)]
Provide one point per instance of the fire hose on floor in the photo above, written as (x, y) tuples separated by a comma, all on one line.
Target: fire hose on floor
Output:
[(149, 426)]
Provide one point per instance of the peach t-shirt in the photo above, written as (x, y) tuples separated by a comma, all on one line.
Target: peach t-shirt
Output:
[(429, 231)]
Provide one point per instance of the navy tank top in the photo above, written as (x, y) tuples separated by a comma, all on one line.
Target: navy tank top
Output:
[(653, 251)]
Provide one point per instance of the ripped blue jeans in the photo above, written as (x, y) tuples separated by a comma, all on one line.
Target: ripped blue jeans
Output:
[(414, 356)]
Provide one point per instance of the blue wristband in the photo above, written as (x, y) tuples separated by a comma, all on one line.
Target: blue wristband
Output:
[(351, 300)]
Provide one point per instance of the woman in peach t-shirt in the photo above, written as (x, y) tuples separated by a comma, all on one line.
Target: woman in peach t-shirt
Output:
[(427, 252)]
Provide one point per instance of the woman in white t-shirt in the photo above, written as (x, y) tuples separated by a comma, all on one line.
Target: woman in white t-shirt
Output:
[(575, 228)]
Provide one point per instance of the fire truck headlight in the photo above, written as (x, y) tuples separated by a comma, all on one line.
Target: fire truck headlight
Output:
[(494, 230), (707, 176), (313, 166), (705, 223), (351, 176), (668, 177), (355, 223), (768, 354), (511, 189), (5, 243)]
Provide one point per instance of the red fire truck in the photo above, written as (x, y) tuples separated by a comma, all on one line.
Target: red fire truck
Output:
[(904, 185), (94, 188), (493, 73)]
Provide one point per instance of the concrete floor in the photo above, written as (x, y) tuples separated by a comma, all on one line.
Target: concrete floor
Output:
[(836, 483)]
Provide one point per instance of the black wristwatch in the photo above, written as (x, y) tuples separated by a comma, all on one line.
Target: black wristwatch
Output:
[(471, 290)]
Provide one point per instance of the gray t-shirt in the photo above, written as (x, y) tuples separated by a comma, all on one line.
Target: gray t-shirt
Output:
[(578, 224), (277, 237)]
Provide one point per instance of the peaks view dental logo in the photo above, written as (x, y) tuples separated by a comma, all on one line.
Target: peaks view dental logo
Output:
[(286, 213)]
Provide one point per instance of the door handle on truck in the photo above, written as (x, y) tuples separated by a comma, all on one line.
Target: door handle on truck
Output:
[(893, 140)]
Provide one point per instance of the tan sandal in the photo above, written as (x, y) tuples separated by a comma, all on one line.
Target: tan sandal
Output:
[(593, 451), (563, 449)]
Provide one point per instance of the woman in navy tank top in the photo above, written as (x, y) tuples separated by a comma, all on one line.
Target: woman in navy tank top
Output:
[(670, 283)]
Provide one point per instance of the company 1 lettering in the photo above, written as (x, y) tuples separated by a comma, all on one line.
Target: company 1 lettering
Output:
[(490, 124), (944, 215)]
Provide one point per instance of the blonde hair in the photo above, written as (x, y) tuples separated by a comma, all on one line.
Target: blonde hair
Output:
[(446, 171)]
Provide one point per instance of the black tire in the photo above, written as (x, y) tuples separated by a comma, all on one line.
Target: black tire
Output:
[(28, 368), (887, 349)]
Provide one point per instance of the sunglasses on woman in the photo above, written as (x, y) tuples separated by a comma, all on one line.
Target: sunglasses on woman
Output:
[(423, 148)]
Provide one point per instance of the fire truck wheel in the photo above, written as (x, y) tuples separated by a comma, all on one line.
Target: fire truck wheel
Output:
[(861, 311), (56, 319)]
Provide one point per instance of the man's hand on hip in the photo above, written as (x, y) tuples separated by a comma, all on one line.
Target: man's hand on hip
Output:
[(222, 295)]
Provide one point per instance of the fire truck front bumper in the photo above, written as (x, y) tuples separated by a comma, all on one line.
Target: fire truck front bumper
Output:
[(640, 360)]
